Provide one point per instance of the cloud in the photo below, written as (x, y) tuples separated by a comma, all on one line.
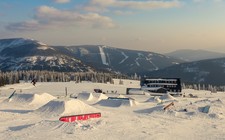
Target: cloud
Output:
[(120, 12), (142, 5), (199, 1), (31, 25), (217, 0), (50, 17), (62, 1)]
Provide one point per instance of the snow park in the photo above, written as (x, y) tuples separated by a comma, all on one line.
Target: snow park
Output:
[(86, 110), (112, 70)]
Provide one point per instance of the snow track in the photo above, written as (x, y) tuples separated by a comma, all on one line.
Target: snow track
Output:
[(103, 55), (126, 57)]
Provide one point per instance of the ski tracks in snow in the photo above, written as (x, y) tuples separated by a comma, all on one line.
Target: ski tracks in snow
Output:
[(125, 57), (103, 56)]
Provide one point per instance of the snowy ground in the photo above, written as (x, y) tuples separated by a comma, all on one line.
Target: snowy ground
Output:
[(33, 113)]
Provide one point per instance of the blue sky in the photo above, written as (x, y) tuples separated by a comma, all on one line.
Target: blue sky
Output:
[(152, 25)]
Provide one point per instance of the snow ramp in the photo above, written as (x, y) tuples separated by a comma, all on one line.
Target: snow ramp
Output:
[(136, 92), (168, 97), (154, 99), (60, 107), (31, 99), (86, 96), (117, 102), (101, 96)]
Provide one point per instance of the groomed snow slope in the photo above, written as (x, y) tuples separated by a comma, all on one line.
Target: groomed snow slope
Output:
[(186, 120)]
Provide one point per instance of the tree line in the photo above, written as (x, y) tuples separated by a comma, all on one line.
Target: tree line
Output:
[(208, 87), (51, 76), (13, 77)]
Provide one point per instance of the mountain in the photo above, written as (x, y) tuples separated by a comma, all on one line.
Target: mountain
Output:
[(121, 60), (194, 55), (28, 54), (205, 71)]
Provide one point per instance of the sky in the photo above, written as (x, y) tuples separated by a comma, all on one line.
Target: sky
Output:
[(150, 25)]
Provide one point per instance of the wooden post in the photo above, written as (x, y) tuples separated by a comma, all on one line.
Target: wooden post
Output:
[(166, 107), (66, 91)]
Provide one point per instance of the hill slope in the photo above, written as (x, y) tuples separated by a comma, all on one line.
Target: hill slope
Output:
[(195, 55), (206, 71), (121, 60), (28, 54)]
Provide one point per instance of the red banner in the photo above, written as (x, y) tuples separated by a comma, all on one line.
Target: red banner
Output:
[(79, 117)]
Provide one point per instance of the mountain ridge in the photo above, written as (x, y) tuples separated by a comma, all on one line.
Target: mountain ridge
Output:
[(19, 51), (190, 55), (210, 71)]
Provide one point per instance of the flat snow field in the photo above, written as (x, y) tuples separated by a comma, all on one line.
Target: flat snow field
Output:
[(33, 113)]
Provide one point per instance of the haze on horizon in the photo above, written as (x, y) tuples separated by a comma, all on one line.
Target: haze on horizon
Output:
[(152, 25)]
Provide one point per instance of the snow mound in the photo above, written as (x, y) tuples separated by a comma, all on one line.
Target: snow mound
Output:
[(117, 103), (158, 100), (167, 97), (157, 108), (136, 92), (218, 102), (65, 107), (151, 99), (154, 99), (31, 99), (216, 112), (85, 96), (61, 127), (102, 97), (121, 96)]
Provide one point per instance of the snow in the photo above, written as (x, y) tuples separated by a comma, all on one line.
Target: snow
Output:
[(48, 58), (61, 107), (125, 57), (116, 103), (42, 44), (34, 111), (103, 56), (85, 96), (31, 99), (167, 97), (136, 91), (15, 42), (43, 47)]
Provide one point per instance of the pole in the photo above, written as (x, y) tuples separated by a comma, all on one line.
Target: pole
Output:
[(66, 91)]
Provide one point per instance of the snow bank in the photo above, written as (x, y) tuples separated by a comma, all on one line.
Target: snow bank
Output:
[(65, 107)]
